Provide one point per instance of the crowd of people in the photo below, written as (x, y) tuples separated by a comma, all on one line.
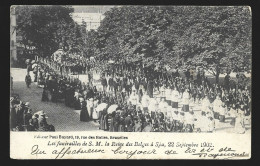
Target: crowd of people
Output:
[(22, 117), (136, 99)]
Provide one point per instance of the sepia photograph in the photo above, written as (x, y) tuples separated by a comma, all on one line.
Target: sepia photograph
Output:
[(106, 69)]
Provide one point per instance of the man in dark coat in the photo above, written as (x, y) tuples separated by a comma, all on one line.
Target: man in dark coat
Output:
[(31, 127), (227, 81), (43, 125), (19, 114), (112, 127), (35, 121), (35, 72), (137, 84), (28, 80), (111, 84), (27, 116), (104, 83), (129, 123), (90, 93), (13, 116), (84, 116), (124, 82), (137, 124), (150, 88), (104, 120), (45, 94)]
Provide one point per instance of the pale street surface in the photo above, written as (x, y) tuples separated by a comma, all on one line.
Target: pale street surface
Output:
[(62, 117), (67, 119)]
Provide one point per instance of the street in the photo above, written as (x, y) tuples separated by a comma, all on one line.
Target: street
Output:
[(63, 118)]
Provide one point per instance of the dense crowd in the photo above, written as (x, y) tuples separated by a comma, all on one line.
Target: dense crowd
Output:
[(22, 117), (137, 99)]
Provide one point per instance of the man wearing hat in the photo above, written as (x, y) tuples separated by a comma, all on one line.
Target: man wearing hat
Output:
[(13, 116), (128, 123), (43, 125), (35, 121), (137, 124), (27, 114)]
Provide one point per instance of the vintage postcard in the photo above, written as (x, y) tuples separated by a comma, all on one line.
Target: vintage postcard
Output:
[(130, 82)]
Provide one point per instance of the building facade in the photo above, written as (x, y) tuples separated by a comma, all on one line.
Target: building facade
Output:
[(13, 47), (92, 20)]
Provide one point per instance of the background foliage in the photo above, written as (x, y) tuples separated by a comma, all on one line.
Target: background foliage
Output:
[(215, 38)]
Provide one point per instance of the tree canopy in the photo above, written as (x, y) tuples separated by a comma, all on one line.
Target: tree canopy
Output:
[(46, 27), (215, 38)]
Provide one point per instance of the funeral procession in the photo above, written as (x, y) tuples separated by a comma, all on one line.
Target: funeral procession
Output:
[(184, 69)]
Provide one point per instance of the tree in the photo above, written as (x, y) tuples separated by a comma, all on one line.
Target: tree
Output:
[(215, 38), (43, 27)]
